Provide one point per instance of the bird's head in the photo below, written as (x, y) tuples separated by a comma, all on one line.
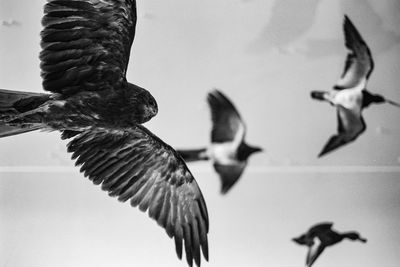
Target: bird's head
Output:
[(144, 103), (246, 150), (369, 98), (355, 236), (377, 99)]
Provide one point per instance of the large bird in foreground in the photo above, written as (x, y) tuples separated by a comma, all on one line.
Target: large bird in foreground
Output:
[(321, 236), (350, 95), (228, 151), (84, 58)]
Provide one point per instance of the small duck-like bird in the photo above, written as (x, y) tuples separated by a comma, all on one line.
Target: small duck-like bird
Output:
[(350, 95), (321, 236), (228, 151)]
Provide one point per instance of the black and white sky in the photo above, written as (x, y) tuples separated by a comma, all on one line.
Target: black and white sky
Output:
[(266, 56)]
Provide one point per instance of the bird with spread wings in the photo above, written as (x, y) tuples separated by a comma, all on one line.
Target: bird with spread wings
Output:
[(350, 95), (85, 51), (321, 236), (228, 150)]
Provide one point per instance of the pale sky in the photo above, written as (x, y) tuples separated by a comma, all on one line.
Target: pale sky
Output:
[(266, 56)]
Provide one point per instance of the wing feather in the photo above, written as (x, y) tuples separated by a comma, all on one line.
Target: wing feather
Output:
[(359, 63), (225, 117), (86, 44), (229, 174), (314, 252), (350, 125), (135, 165)]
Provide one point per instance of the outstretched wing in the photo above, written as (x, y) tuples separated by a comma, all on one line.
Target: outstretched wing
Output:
[(359, 63), (227, 123), (321, 227), (313, 252), (229, 174), (86, 44), (136, 165), (350, 126)]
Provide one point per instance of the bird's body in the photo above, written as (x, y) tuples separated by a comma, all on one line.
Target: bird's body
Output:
[(321, 236), (350, 95), (224, 153), (350, 99), (227, 151), (80, 111), (85, 52)]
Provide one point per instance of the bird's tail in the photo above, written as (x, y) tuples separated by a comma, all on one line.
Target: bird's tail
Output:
[(193, 154), (318, 95), (13, 104)]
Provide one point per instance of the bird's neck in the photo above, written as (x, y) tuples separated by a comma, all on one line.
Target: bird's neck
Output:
[(349, 235)]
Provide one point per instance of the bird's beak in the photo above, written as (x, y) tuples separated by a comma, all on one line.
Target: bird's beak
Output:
[(257, 149), (393, 103), (363, 240)]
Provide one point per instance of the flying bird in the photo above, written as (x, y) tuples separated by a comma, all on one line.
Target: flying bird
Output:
[(350, 95), (321, 236), (228, 151), (85, 51)]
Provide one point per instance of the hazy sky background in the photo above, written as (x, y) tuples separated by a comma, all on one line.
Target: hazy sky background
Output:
[(266, 56)]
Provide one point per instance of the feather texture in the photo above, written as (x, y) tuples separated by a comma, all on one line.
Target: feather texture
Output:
[(86, 44), (136, 165)]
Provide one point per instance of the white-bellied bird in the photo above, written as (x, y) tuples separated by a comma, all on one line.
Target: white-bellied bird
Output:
[(350, 95), (228, 151)]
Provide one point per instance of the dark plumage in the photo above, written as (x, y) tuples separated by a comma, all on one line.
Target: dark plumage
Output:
[(85, 53), (228, 151), (350, 95), (135, 165), (84, 58), (320, 236)]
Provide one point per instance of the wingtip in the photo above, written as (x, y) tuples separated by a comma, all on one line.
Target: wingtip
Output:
[(215, 89), (216, 93), (347, 21), (321, 154), (348, 24), (204, 249), (223, 191)]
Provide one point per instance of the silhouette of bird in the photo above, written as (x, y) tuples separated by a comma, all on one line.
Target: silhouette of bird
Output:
[(350, 95), (85, 51), (228, 151), (321, 236)]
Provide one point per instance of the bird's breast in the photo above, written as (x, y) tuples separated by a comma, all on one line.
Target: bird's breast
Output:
[(349, 99), (223, 153)]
